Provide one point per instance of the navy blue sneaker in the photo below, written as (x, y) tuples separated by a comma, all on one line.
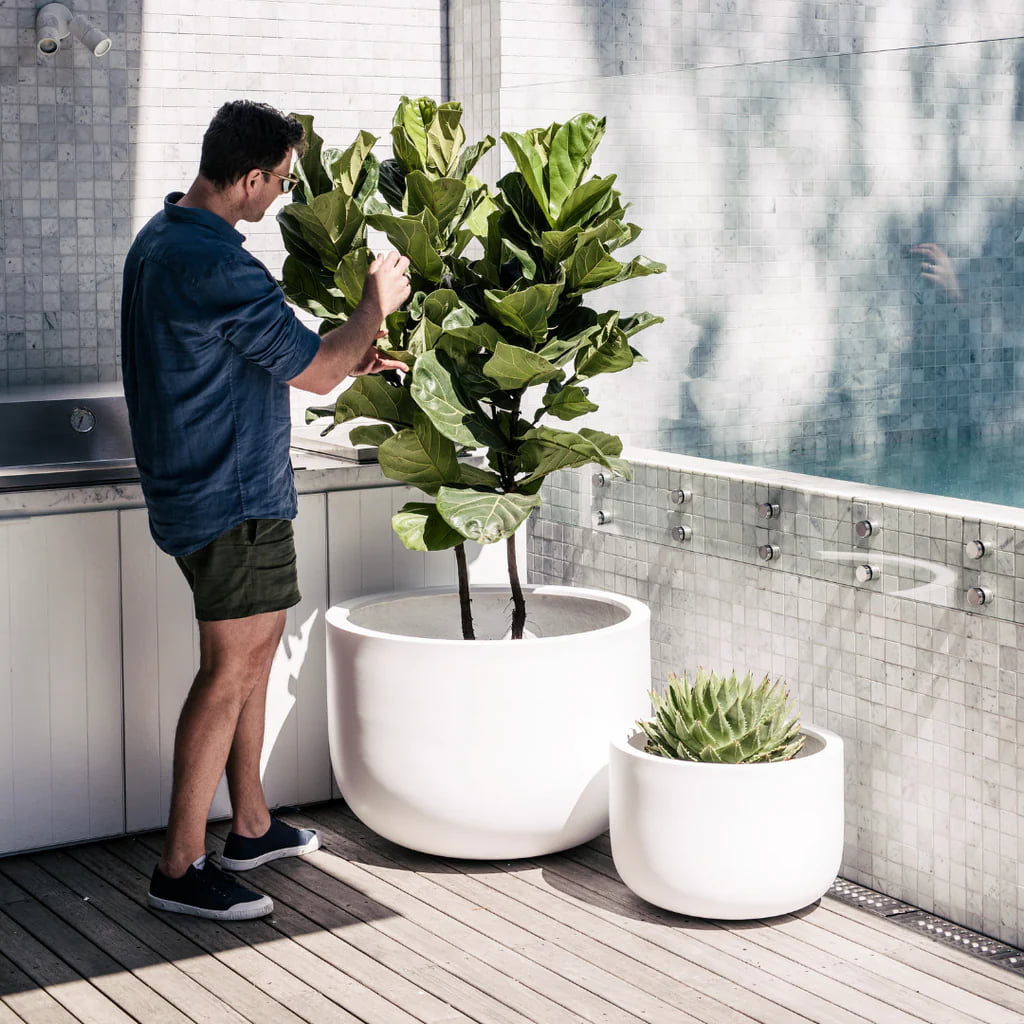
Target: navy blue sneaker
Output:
[(280, 840), (206, 891)]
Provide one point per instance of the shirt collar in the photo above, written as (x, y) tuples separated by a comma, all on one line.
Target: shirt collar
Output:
[(200, 217)]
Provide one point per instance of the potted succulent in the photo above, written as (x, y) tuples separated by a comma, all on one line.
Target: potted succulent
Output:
[(447, 716), (723, 805)]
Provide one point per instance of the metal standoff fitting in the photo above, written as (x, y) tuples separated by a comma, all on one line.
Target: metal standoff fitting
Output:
[(768, 552), (975, 549), (768, 510), (977, 596), (602, 518), (682, 532), (867, 573), (866, 528), (599, 479), (679, 497)]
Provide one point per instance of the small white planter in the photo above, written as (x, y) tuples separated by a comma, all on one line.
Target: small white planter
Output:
[(727, 841), (486, 749)]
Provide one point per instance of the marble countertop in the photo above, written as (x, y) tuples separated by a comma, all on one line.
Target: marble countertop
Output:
[(313, 473)]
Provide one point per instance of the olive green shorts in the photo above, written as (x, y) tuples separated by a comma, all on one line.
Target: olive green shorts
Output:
[(247, 570)]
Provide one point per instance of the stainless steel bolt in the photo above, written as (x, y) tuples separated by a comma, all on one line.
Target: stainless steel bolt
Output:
[(682, 532), (769, 552), (768, 510), (602, 518), (679, 497), (975, 549), (599, 479), (977, 596), (866, 573)]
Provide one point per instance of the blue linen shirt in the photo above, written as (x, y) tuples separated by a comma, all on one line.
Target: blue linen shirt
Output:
[(208, 343)]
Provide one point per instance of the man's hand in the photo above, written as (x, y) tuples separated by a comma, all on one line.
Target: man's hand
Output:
[(374, 362), (387, 283)]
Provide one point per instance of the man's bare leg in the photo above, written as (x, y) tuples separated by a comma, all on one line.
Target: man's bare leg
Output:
[(250, 816), (235, 656)]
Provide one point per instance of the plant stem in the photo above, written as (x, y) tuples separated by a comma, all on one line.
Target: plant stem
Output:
[(518, 604), (464, 601)]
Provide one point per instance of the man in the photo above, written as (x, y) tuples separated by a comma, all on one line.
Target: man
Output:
[(209, 349)]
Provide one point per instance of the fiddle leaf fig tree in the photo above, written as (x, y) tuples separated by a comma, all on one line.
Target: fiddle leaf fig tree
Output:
[(498, 337)]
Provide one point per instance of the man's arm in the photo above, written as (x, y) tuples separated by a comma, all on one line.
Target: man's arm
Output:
[(348, 349)]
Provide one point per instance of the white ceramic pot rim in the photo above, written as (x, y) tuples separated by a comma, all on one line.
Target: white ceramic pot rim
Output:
[(338, 615), (826, 738)]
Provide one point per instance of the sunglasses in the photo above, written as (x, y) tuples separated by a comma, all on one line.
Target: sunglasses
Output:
[(288, 181)]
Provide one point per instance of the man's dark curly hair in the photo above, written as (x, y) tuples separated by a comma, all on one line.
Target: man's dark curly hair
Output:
[(245, 135)]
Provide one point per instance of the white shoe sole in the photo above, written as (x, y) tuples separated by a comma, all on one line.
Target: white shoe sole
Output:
[(242, 912), (230, 864)]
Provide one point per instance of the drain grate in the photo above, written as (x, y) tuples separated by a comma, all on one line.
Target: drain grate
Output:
[(938, 928)]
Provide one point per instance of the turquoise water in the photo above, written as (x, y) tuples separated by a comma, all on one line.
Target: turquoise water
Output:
[(980, 470)]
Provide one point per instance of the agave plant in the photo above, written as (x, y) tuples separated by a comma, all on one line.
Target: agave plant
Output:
[(723, 720), (497, 333)]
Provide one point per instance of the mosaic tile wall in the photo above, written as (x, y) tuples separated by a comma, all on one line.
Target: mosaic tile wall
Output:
[(65, 173), (89, 145), (926, 689), (784, 166)]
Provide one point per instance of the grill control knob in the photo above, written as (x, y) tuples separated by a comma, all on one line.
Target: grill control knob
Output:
[(82, 420)]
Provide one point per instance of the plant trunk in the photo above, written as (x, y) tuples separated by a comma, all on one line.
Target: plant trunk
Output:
[(518, 603), (464, 601)]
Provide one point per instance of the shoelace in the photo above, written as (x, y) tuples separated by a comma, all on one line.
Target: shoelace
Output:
[(222, 883)]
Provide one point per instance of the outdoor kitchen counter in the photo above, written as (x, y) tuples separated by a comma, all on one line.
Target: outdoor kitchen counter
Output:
[(313, 474)]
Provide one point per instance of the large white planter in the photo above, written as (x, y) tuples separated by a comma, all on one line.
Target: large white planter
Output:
[(728, 841), (486, 749)]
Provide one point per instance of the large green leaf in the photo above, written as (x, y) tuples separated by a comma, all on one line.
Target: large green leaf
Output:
[(530, 160), (474, 476), (443, 197), (471, 154), (420, 456), (557, 245), (309, 167), (572, 148), (392, 183), (307, 237), (588, 198), (590, 267), (434, 391), (610, 356), (341, 217), (374, 397), (637, 322), (445, 138), (511, 368), (483, 517), (526, 311), (345, 165), (420, 527), (351, 274), (545, 450), (411, 237), (375, 434), (312, 291), (568, 403)]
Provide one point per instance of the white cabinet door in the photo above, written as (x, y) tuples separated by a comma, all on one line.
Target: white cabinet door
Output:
[(161, 657), (60, 680), (365, 555)]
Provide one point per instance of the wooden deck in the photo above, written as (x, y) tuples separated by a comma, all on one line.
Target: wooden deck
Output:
[(366, 931)]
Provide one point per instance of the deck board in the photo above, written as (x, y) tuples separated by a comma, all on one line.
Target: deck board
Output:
[(366, 931)]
